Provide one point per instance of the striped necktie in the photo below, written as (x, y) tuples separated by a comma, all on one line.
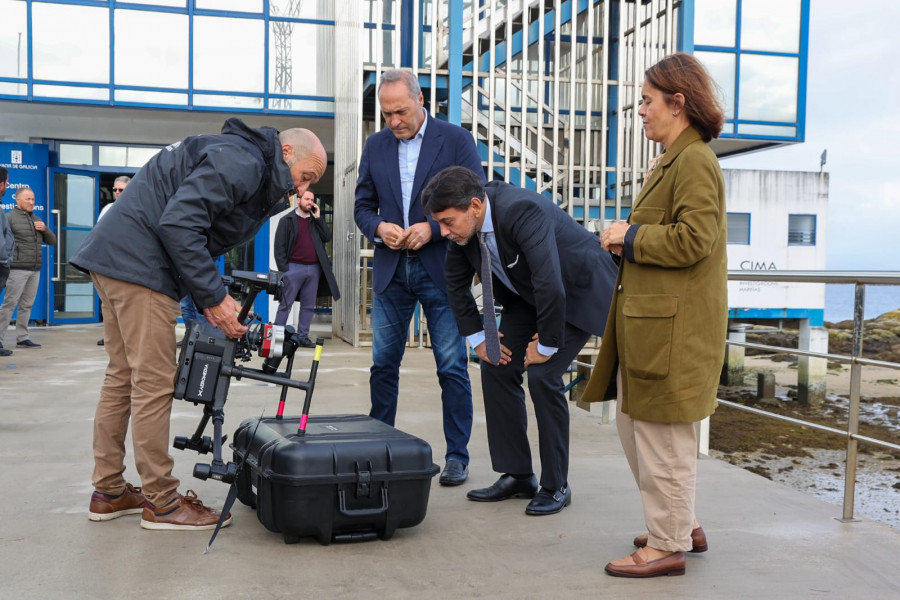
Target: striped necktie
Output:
[(491, 335)]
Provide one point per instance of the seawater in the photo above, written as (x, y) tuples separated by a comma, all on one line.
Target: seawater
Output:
[(879, 300)]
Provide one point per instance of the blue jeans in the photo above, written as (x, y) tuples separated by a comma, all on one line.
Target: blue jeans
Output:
[(391, 314), (189, 311)]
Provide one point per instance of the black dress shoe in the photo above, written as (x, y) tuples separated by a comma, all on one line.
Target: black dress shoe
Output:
[(100, 342), (547, 502), (306, 343), (504, 488), (455, 473)]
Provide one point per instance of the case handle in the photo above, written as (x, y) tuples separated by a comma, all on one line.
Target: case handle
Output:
[(362, 512)]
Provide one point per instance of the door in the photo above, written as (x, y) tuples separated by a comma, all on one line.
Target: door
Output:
[(74, 199)]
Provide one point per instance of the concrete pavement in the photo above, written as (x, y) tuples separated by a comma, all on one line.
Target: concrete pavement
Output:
[(766, 541)]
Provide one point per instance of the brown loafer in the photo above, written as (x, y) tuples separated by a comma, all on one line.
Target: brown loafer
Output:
[(672, 564), (698, 538)]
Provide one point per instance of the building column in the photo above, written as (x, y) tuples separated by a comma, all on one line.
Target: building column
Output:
[(811, 371)]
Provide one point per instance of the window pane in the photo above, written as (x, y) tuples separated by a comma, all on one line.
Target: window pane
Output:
[(768, 89), (251, 102), (67, 91), (138, 157), (308, 9), (301, 59), (801, 230), (721, 66), (172, 3), (126, 156), (75, 199), (715, 22), (112, 156), (64, 52), (76, 154), (302, 105), (771, 25), (772, 130), (14, 41), (13, 89), (146, 58), (151, 97), (739, 228), (251, 6), (228, 54)]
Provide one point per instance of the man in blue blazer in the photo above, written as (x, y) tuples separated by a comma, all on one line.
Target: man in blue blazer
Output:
[(555, 285), (396, 164)]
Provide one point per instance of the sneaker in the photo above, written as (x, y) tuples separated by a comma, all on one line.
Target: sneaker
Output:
[(185, 513), (105, 507), (27, 344), (101, 343), (5, 352), (306, 343)]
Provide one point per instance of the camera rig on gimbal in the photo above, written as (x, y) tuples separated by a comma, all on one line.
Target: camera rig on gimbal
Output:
[(206, 365)]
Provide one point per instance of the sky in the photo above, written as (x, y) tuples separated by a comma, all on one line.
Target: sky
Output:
[(853, 111)]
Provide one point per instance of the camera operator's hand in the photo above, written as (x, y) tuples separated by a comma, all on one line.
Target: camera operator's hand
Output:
[(224, 316)]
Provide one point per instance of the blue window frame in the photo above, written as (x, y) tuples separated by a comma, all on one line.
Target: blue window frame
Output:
[(756, 50)]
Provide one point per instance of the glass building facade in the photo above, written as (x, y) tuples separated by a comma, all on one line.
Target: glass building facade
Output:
[(756, 51), (548, 90), (234, 55)]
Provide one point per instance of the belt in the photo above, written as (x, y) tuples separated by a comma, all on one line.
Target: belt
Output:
[(409, 253)]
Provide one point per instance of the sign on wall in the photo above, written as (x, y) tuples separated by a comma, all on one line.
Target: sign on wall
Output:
[(27, 166)]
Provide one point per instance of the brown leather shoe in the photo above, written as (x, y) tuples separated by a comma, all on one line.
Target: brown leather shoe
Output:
[(105, 507), (672, 564), (185, 513), (698, 538)]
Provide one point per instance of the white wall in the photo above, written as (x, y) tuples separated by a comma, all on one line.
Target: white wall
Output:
[(769, 197)]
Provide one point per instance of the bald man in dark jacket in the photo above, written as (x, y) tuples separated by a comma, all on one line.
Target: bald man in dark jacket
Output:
[(190, 203)]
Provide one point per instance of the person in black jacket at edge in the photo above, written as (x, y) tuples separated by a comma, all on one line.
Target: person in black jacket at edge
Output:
[(193, 201), (300, 255)]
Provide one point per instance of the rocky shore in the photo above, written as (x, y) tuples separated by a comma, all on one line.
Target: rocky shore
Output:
[(807, 459)]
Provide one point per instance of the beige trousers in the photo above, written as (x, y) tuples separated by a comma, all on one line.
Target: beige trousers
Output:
[(139, 335), (663, 460)]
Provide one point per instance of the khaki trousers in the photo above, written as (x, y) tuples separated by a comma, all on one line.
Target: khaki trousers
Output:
[(663, 460), (21, 289), (139, 336)]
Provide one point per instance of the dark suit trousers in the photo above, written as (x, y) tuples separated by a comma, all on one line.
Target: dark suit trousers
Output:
[(504, 399)]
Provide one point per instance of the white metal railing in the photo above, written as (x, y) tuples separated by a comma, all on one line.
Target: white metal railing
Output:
[(859, 279)]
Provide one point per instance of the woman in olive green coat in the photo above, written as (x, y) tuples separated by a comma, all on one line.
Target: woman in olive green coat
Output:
[(665, 336)]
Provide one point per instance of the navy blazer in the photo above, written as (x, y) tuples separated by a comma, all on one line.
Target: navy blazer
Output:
[(555, 264), (379, 196)]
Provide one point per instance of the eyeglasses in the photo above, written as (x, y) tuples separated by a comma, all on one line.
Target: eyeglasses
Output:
[(120, 190)]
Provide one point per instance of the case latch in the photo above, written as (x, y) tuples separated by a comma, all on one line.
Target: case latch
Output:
[(363, 481)]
